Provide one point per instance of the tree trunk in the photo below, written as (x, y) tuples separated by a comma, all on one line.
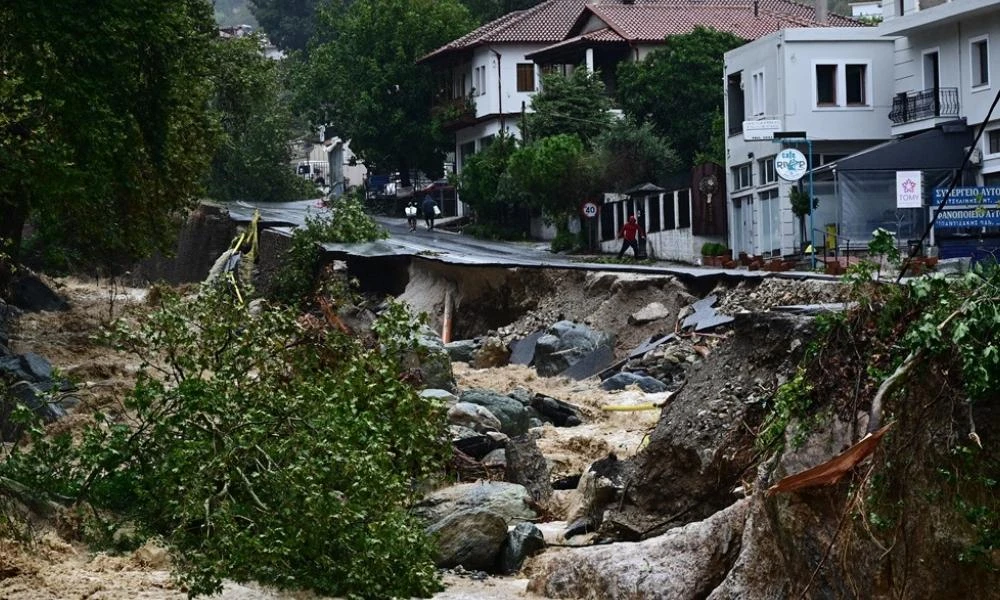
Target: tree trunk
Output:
[(15, 213)]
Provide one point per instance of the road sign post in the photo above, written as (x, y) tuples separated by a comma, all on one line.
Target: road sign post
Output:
[(590, 210)]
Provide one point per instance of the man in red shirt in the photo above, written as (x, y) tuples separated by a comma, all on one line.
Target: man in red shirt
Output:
[(630, 232)]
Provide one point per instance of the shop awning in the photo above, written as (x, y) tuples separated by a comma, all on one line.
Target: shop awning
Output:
[(940, 148)]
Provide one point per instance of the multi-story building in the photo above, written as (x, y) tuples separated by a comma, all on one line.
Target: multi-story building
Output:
[(830, 89)]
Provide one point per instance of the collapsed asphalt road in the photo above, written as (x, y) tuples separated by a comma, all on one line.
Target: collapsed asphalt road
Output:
[(452, 248)]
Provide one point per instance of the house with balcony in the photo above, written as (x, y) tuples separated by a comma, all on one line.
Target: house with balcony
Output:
[(943, 85), (827, 91), (488, 77)]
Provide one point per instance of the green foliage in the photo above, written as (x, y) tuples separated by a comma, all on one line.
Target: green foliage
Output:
[(676, 88), (289, 24), (792, 400), (106, 131), (260, 449), (631, 155), (714, 149), (714, 249), (480, 185), (576, 104), (366, 82), (347, 223), (252, 161), (800, 202), (555, 174), (564, 241)]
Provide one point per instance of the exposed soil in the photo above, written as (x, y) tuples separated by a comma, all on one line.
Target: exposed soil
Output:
[(53, 568)]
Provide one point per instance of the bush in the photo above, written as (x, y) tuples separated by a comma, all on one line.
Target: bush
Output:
[(260, 448), (347, 223)]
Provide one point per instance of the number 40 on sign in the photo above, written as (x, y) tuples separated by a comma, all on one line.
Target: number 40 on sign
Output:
[(589, 209)]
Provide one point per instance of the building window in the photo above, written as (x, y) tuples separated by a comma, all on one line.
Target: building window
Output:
[(742, 177), (842, 84), (980, 58), (525, 77), (735, 102), (770, 222), (757, 93), (684, 209), (826, 85), (466, 150), (855, 85), (486, 141), (767, 172), (994, 141)]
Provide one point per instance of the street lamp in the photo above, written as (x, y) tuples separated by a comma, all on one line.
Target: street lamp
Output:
[(800, 137)]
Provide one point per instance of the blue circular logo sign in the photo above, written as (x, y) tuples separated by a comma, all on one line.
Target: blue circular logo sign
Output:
[(790, 164)]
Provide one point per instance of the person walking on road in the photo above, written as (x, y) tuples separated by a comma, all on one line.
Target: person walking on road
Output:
[(430, 210), (411, 215), (631, 232)]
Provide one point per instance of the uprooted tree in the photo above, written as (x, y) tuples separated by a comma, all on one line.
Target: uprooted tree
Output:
[(260, 446)]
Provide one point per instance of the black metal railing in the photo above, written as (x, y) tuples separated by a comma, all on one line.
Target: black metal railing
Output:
[(926, 104)]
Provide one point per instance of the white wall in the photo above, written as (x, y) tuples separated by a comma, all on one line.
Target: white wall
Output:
[(787, 62)]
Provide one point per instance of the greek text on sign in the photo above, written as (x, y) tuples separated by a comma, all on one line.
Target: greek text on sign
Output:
[(968, 195), (760, 130), (790, 164), (589, 210), (909, 189), (971, 217)]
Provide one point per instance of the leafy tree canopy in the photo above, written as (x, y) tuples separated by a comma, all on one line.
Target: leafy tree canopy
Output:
[(630, 155), (289, 24), (301, 479), (252, 162), (676, 88), (555, 173), (367, 84), (575, 104), (105, 128)]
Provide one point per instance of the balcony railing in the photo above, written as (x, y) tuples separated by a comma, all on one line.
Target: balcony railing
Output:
[(908, 107), (455, 113)]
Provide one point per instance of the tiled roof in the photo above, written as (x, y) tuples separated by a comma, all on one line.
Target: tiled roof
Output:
[(549, 21), (653, 20), (553, 21)]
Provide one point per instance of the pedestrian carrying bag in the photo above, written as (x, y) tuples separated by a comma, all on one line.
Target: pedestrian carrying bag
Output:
[(411, 211), (437, 211)]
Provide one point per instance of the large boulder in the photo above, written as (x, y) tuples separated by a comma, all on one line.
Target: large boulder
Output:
[(473, 416), (685, 562), (431, 358), (470, 538), (513, 415), (508, 500), (527, 466), (565, 343), (620, 381), (462, 350), (522, 541), (557, 412), (491, 354), (30, 293)]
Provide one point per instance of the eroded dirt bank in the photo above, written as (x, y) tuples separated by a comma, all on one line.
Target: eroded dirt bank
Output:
[(695, 460)]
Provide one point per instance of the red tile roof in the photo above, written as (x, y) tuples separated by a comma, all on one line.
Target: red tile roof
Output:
[(549, 21), (653, 20), (553, 21)]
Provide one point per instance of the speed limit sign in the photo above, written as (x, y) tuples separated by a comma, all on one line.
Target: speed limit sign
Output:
[(589, 210)]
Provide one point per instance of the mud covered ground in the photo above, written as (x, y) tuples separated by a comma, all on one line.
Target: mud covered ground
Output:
[(52, 568)]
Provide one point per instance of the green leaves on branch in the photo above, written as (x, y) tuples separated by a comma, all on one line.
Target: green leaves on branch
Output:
[(574, 104), (676, 88), (347, 223), (261, 449)]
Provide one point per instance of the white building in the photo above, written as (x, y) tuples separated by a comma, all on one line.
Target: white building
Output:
[(831, 85)]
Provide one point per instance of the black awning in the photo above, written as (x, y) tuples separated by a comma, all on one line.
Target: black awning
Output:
[(940, 148)]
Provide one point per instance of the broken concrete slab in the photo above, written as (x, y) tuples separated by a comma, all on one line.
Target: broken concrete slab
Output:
[(654, 311), (522, 352), (705, 317), (651, 343), (811, 310), (591, 364)]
